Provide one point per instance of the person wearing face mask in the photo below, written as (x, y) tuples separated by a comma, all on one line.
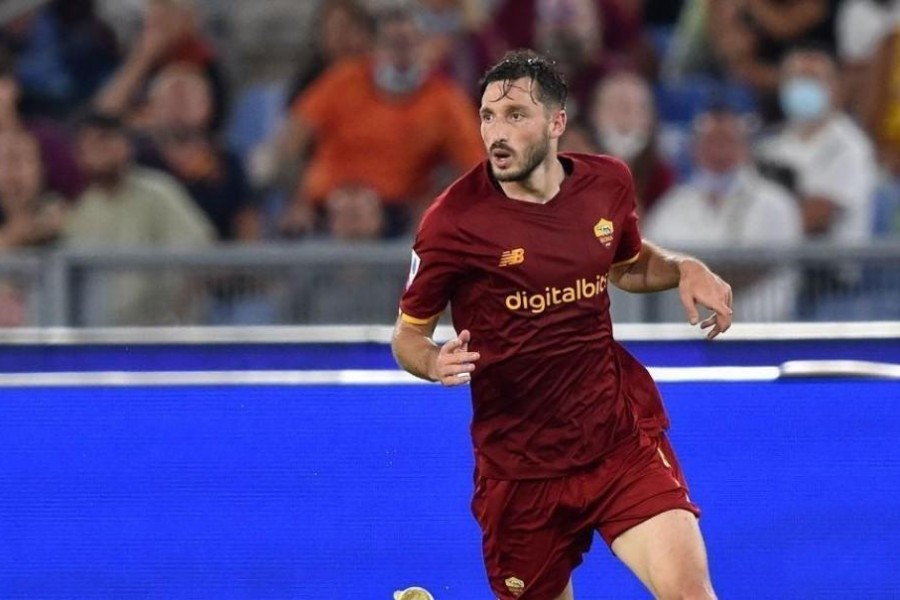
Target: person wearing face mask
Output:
[(832, 160), (728, 204), (830, 164), (622, 122), (385, 121)]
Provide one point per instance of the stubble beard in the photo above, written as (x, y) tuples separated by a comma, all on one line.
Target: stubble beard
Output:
[(534, 156)]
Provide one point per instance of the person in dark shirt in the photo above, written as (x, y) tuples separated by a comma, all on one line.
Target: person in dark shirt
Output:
[(568, 428)]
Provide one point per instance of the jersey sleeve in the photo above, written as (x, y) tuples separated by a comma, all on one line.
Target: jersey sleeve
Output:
[(629, 246), (435, 268)]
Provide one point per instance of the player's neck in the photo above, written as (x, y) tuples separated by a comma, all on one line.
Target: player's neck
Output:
[(541, 186)]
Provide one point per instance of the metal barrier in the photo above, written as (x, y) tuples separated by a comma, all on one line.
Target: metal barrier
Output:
[(360, 283)]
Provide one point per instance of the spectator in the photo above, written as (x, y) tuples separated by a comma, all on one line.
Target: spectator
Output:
[(384, 121), (343, 29), (130, 207), (451, 30), (61, 173), (728, 204), (622, 122), (820, 154), (179, 140), (170, 33), (29, 214), (64, 52), (354, 212), (587, 38), (774, 28), (30, 217), (878, 103), (862, 28), (829, 164), (708, 34)]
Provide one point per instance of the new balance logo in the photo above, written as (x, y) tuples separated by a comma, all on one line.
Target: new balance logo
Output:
[(516, 256)]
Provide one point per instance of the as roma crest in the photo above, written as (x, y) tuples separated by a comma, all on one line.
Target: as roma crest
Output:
[(604, 231)]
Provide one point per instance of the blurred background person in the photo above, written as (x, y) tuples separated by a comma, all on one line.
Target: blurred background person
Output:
[(61, 172), (64, 52), (769, 30), (30, 214), (178, 138), (129, 207), (386, 121), (355, 215), (621, 121), (343, 29), (827, 161), (354, 212), (171, 32), (728, 204), (588, 38), (451, 29), (866, 31)]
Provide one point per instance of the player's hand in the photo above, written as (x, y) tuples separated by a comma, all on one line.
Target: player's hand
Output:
[(454, 363), (700, 286)]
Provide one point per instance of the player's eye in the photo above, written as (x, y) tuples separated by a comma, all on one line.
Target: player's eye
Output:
[(517, 116), (487, 117)]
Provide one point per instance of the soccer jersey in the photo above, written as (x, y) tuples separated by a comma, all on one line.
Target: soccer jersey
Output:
[(552, 391)]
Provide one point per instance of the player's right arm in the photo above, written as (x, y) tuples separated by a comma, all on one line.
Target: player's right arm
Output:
[(416, 351)]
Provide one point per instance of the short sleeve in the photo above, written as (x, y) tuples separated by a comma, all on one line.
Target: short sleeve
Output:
[(435, 269), (629, 246)]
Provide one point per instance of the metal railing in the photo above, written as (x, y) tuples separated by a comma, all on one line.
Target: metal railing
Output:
[(328, 283)]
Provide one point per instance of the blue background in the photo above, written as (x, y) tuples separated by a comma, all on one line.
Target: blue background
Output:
[(325, 492)]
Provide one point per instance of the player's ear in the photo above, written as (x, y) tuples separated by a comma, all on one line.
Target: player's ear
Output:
[(558, 119)]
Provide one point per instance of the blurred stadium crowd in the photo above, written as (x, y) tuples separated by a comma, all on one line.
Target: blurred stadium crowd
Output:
[(182, 124)]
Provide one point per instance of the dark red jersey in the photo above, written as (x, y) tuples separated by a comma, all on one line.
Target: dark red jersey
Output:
[(552, 391)]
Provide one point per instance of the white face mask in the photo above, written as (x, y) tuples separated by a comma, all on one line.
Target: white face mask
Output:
[(624, 145), (713, 183), (394, 81)]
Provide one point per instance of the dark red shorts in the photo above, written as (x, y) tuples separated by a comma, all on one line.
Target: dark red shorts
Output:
[(536, 531)]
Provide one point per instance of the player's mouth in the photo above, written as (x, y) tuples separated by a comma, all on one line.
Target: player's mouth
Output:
[(501, 157)]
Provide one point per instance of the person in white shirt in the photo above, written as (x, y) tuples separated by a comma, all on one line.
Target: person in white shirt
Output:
[(828, 162), (831, 161), (728, 204)]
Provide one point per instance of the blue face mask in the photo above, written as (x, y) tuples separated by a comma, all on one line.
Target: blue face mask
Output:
[(804, 99)]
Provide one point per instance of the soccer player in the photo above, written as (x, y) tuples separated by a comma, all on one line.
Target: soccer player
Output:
[(568, 428)]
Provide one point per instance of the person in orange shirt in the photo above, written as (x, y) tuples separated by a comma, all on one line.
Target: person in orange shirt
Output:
[(384, 121)]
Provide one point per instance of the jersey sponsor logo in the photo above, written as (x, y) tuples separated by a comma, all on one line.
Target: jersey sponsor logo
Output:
[(538, 302), (604, 231), (414, 263), (516, 256), (515, 586)]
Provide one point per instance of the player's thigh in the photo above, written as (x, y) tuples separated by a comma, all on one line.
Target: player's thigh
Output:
[(668, 555), (530, 543)]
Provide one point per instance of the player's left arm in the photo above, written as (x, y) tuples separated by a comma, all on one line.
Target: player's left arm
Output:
[(656, 269)]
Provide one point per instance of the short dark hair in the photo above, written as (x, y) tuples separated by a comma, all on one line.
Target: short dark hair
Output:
[(551, 86), (93, 118)]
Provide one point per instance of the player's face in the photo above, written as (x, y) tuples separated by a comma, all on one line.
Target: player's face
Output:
[(517, 129)]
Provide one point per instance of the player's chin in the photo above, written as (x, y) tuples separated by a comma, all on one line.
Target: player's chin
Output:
[(505, 173)]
